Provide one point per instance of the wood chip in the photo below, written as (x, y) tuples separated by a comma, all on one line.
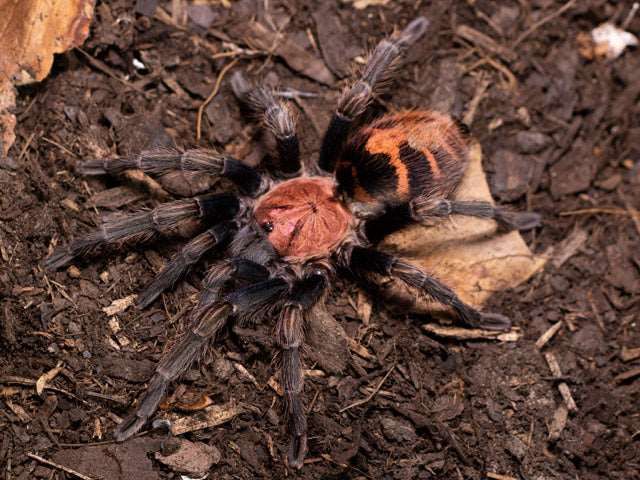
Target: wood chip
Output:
[(362, 4), (558, 422), (497, 476), (554, 366), (119, 305), (472, 333), (47, 377), (569, 247), (359, 349), (116, 197), (275, 385), (628, 375), (246, 374), (209, 417), (548, 335), (629, 354)]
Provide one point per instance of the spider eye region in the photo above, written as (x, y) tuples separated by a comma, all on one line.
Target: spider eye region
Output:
[(302, 217)]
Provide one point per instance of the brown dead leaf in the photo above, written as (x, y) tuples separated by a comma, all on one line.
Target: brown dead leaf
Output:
[(467, 253), (32, 31)]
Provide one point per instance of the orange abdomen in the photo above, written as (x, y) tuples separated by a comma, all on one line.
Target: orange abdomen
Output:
[(403, 155)]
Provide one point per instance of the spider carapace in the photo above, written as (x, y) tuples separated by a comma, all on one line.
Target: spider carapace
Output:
[(279, 240)]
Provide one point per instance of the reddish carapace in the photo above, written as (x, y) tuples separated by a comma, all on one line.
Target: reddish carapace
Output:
[(302, 217)]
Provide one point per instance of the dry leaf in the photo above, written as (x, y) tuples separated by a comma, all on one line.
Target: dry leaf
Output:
[(31, 32), (467, 253)]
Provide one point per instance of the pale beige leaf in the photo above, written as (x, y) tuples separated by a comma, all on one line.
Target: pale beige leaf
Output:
[(467, 253)]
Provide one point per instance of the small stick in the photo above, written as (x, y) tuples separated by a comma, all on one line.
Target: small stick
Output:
[(541, 22), (548, 335), (632, 13), (588, 211), (371, 395), (497, 476), (58, 466), (628, 375), (213, 93), (554, 366)]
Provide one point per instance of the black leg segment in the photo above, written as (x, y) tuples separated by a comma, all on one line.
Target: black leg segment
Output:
[(143, 226), (158, 162), (290, 336), (366, 260), (426, 209), (375, 78), (276, 117), (206, 320), (217, 236)]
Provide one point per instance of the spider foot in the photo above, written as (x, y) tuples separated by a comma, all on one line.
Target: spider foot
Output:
[(129, 427), (493, 321), (297, 451), (517, 220)]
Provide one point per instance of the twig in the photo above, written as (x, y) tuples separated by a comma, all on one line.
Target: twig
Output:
[(109, 72), (481, 89), (554, 366), (588, 211), (548, 335), (58, 466), (541, 22), (10, 380), (497, 476), (213, 93), (372, 394)]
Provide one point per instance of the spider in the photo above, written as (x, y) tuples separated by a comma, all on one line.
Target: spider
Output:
[(288, 232)]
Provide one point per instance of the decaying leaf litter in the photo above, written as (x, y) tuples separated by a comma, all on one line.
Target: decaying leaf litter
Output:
[(558, 135)]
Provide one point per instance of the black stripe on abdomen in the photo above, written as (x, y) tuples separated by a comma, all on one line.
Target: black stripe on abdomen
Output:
[(418, 167)]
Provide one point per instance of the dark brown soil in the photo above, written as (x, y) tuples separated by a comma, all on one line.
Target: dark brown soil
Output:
[(564, 137)]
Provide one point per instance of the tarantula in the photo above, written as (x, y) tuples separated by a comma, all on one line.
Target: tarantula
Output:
[(289, 231)]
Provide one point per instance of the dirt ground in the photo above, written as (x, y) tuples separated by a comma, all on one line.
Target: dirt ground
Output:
[(560, 134)]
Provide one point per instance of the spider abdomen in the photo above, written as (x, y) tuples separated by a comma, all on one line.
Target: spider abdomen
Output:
[(403, 155), (302, 217)]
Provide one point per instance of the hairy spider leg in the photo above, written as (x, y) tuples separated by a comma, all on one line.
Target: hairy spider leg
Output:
[(161, 161), (426, 210), (143, 226), (189, 254), (374, 79), (207, 319), (365, 261), (304, 294), (277, 118)]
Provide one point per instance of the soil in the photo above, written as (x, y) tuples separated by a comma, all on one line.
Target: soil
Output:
[(560, 135)]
